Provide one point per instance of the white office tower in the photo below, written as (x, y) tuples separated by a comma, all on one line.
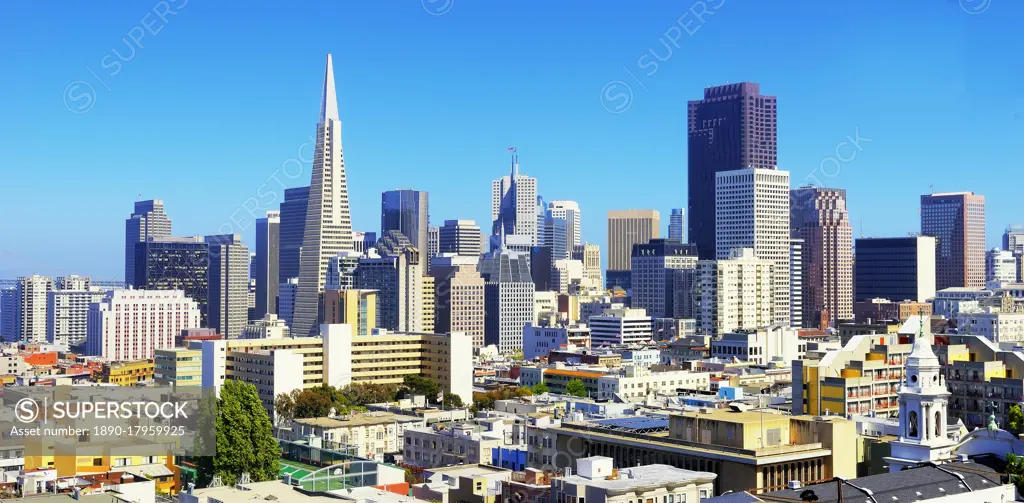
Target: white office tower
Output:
[(570, 212), (286, 300), (752, 211), (620, 326), (31, 292), (508, 297), (270, 327), (590, 255), (567, 277), (1000, 266), (341, 270), (133, 324), (796, 283), (459, 296), (736, 293), (67, 312), (676, 224), (433, 246), (328, 229), (461, 237), (514, 208), (552, 234), (1013, 239), (228, 283)]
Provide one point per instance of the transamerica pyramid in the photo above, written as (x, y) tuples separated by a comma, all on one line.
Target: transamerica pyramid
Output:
[(328, 218)]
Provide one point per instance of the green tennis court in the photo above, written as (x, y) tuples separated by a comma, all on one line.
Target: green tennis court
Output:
[(296, 470)]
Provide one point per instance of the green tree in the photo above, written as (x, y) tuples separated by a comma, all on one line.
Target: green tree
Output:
[(244, 438), (360, 394), (539, 388), (1015, 469), (284, 408), (451, 400), (421, 386), (309, 403), (339, 402), (576, 387), (1015, 419)]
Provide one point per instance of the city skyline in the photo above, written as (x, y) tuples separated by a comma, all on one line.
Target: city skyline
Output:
[(808, 136)]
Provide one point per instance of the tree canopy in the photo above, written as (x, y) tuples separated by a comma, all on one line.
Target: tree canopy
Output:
[(1015, 419), (576, 387), (244, 437), (420, 385), (539, 388)]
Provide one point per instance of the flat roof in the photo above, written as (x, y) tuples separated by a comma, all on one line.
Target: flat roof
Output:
[(639, 477), (468, 470), (731, 416), (366, 419)]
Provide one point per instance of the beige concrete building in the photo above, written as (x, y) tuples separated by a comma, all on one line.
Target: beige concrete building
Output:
[(427, 306), (735, 293), (957, 221), (758, 450), (178, 367), (370, 435), (459, 297), (627, 228), (351, 307), (819, 217)]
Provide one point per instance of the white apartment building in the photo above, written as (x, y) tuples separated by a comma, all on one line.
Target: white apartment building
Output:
[(774, 343), (539, 341), (545, 306), (752, 210), (31, 294), (735, 293), (369, 435), (620, 326), (630, 383), (994, 326), (598, 481), (67, 315), (565, 274), (132, 324), (948, 300), (270, 327), (1000, 266)]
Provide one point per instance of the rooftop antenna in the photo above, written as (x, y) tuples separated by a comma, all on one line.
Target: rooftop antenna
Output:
[(515, 161)]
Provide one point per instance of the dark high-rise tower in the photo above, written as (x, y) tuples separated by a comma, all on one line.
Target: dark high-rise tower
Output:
[(957, 221), (733, 127), (268, 257), (148, 221), (293, 225), (406, 211)]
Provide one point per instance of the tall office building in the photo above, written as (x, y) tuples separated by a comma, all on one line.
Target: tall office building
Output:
[(752, 211), (67, 314), (733, 127), (818, 216), (265, 269), (228, 285), (351, 307), (1013, 239), (31, 294), (395, 272), (427, 304), (459, 296), (328, 229), (551, 234), (735, 293), (148, 221), (897, 269), (676, 225), (957, 221), (286, 293), (406, 211), (175, 264), (341, 271), (8, 314), (514, 208), (72, 282), (433, 245), (1000, 266), (625, 229), (653, 263), (569, 211), (293, 227), (461, 237), (133, 324), (508, 297), (796, 283), (590, 256), (541, 263)]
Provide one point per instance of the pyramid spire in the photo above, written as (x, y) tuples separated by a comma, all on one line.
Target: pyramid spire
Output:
[(329, 99)]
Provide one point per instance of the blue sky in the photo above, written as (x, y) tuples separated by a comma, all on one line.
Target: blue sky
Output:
[(215, 98)]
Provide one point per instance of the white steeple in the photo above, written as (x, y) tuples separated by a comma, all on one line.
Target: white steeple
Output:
[(923, 408)]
